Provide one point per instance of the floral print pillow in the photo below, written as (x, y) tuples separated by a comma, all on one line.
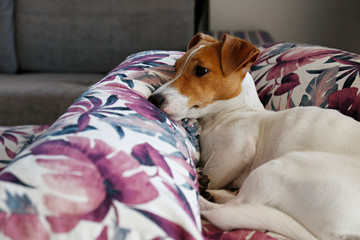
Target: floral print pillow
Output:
[(290, 74), (112, 166)]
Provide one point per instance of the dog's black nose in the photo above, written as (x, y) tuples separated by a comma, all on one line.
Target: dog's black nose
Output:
[(157, 99)]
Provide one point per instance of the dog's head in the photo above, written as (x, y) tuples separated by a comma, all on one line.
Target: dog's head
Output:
[(210, 71)]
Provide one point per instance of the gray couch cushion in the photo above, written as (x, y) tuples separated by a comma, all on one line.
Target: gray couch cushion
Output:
[(7, 48), (40, 98), (95, 36)]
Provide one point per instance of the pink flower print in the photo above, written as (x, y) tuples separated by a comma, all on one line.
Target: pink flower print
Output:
[(265, 94), (79, 169), (147, 110), (139, 63), (291, 60), (352, 69), (347, 101), (154, 76), (23, 227), (213, 233), (10, 135), (288, 83), (38, 129), (149, 156), (62, 224)]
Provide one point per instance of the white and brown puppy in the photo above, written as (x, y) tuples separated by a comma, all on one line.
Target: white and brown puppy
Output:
[(298, 170)]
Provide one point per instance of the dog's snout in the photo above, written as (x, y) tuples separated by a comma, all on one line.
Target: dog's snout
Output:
[(157, 99)]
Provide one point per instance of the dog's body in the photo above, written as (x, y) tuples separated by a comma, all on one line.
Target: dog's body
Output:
[(298, 170), (304, 162)]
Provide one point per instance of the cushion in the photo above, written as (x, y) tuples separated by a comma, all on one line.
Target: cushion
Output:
[(8, 62), (112, 166), (14, 139), (83, 36), (293, 74)]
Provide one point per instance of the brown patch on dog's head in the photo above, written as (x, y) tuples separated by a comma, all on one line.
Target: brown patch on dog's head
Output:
[(200, 39), (214, 71), (237, 55)]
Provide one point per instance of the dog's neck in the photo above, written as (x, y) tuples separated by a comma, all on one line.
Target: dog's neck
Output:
[(246, 101)]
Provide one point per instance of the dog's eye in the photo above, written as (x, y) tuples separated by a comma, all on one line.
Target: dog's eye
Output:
[(200, 71)]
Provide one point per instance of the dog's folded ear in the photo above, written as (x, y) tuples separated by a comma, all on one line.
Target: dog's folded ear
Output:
[(200, 38), (237, 54)]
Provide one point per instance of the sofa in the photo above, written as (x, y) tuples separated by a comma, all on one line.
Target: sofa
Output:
[(113, 166), (52, 51)]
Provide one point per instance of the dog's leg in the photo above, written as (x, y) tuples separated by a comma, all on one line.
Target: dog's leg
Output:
[(255, 205), (231, 215), (220, 164), (253, 216), (206, 204), (222, 195)]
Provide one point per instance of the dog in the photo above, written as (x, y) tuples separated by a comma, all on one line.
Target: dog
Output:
[(297, 170)]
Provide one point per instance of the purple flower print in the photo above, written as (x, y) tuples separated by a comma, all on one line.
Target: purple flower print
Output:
[(91, 106), (149, 156), (347, 101), (320, 88), (79, 169), (213, 233), (139, 63), (8, 134), (23, 227), (352, 68), (14, 139), (154, 76), (265, 94), (11, 135), (173, 230), (291, 60), (147, 110), (288, 83), (135, 102)]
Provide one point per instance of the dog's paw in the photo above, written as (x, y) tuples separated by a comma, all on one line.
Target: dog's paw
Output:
[(203, 179), (204, 182)]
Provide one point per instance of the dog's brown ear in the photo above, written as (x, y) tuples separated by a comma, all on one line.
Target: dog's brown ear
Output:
[(237, 54), (200, 38)]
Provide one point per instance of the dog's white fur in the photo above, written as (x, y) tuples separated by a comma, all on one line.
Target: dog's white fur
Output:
[(298, 170)]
